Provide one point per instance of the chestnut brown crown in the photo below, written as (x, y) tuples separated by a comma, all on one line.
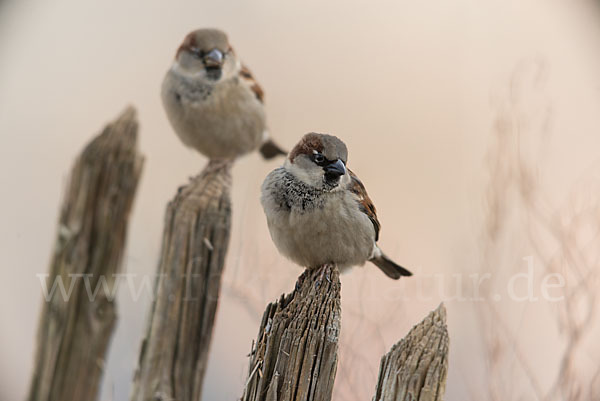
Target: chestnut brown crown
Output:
[(328, 145), (204, 41)]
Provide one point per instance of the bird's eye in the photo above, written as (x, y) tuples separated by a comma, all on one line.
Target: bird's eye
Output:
[(197, 53), (319, 159)]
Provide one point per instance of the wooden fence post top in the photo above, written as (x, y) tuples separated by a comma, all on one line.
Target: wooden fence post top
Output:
[(175, 349), (416, 367), (295, 354), (73, 333)]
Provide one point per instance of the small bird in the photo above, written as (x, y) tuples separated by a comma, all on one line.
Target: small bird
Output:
[(318, 211), (212, 100)]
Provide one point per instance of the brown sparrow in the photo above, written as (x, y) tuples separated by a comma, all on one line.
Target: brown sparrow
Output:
[(318, 211), (212, 101)]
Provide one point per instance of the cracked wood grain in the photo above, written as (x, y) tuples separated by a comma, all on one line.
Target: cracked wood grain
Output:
[(295, 354), (74, 331), (415, 368), (174, 352)]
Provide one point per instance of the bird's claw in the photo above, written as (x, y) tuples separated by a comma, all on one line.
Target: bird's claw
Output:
[(300, 280), (324, 274)]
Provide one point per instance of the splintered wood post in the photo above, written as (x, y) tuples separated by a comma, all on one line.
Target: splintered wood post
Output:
[(174, 353), (295, 354), (75, 327), (416, 366)]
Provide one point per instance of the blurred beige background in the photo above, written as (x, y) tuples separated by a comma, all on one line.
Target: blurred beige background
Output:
[(414, 88)]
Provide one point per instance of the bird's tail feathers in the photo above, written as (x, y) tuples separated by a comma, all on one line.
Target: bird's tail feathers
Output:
[(270, 149), (390, 268)]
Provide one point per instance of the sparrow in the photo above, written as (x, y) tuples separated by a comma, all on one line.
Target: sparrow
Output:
[(213, 102), (319, 212)]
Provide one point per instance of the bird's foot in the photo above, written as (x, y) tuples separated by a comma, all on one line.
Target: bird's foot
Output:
[(325, 269), (300, 280)]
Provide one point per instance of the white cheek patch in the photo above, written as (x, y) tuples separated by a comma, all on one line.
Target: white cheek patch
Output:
[(312, 177), (182, 72), (344, 182), (296, 171)]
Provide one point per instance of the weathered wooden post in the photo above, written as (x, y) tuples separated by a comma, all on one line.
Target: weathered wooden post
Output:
[(174, 352), (74, 332), (416, 366), (295, 354)]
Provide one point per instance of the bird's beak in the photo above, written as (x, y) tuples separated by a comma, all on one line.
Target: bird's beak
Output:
[(213, 59), (335, 170)]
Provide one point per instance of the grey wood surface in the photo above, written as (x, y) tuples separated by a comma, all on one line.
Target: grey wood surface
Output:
[(415, 368), (196, 233), (295, 354), (74, 331)]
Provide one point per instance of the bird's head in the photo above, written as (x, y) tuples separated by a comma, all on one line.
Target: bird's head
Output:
[(319, 160), (206, 53)]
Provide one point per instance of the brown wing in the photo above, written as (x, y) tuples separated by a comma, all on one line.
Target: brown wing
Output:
[(365, 203), (246, 75)]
